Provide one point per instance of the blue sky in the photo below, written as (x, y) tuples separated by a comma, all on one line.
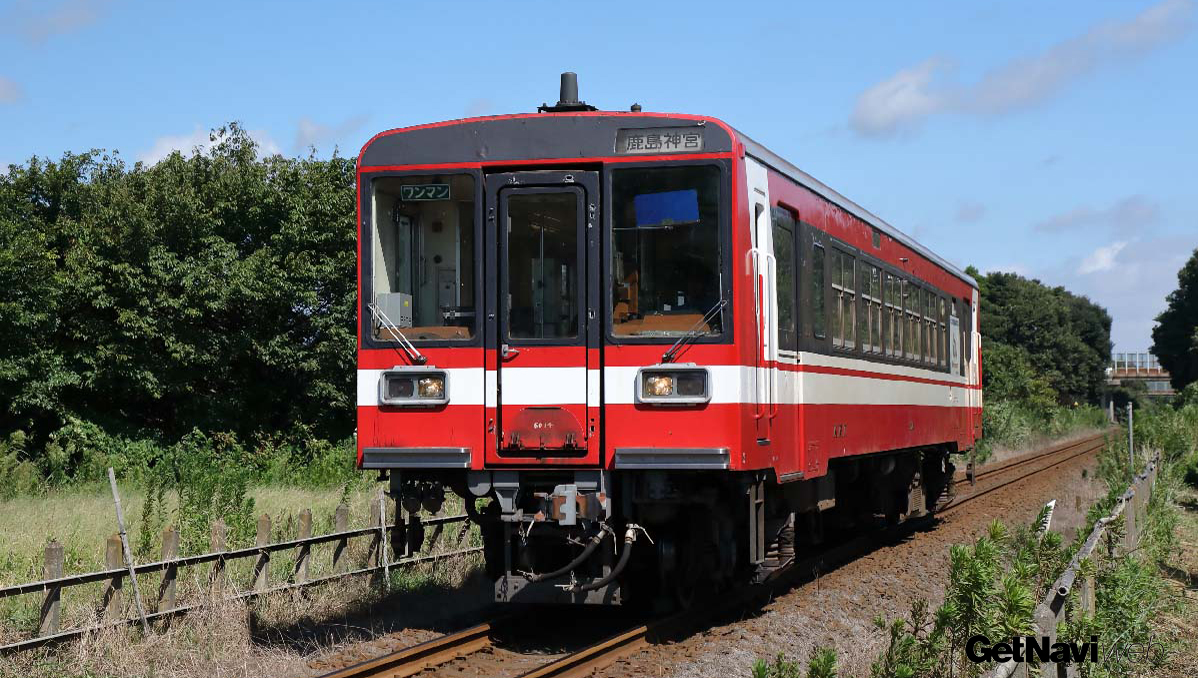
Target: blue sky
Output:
[(1056, 139)]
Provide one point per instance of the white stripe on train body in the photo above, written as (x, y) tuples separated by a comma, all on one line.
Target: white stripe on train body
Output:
[(730, 384)]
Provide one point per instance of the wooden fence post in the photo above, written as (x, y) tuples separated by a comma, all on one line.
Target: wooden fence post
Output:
[(384, 557), (462, 534), (128, 555), (114, 558), (301, 558), (435, 537), (1046, 623), (1086, 594), (216, 542), (340, 524), (52, 606), (1129, 521), (170, 551), (262, 567), (376, 538)]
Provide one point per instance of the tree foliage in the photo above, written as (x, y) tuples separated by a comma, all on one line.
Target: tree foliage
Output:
[(1036, 336), (212, 292), (1175, 336)]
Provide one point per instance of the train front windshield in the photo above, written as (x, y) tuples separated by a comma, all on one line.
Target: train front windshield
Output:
[(665, 251), (422, 257)]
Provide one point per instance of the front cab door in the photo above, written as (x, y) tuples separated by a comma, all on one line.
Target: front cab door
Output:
[(542, 331)]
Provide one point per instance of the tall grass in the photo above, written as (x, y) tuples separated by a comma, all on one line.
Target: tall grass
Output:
[(1014, 425)]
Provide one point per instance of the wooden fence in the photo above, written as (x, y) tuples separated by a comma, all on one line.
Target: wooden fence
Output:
[(1133, 507), (111, 604)]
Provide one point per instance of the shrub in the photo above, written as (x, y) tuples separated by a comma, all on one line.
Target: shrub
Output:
[(821, 665)]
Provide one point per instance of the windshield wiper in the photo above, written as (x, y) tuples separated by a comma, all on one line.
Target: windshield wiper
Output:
[(693, 332), (414, 355)]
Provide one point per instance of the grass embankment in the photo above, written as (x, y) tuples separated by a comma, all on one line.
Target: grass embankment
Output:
[(1146, 600), (1012, 426)]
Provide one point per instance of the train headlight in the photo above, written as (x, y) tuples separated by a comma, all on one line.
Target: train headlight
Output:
[(683, 384), (432, 387), (413, 387), (659, 386)]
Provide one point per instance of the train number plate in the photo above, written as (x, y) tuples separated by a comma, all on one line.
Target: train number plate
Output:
[(659, 140), (415, 192)]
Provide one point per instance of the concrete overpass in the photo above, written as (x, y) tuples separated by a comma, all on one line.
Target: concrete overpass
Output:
[(1129, 368)]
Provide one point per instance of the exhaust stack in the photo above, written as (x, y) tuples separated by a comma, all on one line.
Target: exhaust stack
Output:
[(568, 98)]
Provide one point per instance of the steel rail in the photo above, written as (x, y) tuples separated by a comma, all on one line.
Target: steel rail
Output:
[(1054, 456), (1030, 457), (412, 660), (625, 643)]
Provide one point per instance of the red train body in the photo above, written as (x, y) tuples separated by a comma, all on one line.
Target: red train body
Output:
[(617, 324)]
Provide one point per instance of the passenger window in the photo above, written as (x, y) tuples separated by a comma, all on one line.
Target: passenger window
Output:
[(818, 316), (873, 309), (929, 323), (784, 253), (844, 318), (863, 319), (914, 335), (894, 315), (943, 334), (422, 257)]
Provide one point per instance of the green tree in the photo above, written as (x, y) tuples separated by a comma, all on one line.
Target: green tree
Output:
[(1175, 336), (1065, 337), (214, 291)]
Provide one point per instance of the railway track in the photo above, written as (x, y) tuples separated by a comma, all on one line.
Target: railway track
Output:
[(584, 662), (990, 478)]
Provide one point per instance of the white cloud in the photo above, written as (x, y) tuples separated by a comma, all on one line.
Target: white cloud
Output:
[(310, 133), (198, 140), (1131, 279), (10, 91), (1131, 216), (1102, 258), (39, 21), (900, 102)]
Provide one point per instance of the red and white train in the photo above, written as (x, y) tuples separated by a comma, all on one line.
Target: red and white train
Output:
[(648, 331)]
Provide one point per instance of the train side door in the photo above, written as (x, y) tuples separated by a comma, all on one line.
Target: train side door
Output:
[(764, 268), (542, 332), (974, 367)]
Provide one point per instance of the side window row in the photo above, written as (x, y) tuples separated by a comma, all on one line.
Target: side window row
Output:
[(870, 310)]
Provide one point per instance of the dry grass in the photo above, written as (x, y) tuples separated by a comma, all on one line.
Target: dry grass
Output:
[(237, 638), (277, 636)]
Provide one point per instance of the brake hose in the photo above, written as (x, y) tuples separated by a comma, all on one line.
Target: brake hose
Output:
[(625, 554), (582, 557)]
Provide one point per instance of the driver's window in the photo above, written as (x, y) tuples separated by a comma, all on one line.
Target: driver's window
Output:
[(423, 257)]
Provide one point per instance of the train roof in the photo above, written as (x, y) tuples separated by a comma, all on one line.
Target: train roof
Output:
[(591, 134)]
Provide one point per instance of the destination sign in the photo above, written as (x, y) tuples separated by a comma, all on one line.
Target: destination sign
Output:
[(417, 192), (659, 140)]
